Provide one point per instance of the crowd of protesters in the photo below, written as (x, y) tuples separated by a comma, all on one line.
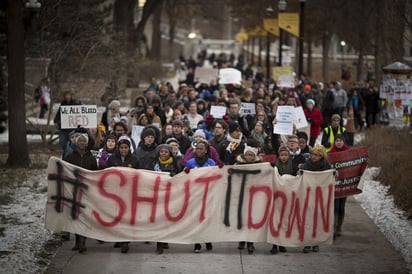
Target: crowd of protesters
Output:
[(180, 133)]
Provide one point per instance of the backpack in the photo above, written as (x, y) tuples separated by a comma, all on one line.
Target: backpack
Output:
[(37, 94)]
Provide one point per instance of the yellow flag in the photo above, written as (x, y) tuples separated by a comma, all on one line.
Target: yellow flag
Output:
[(242, 36), (289, 22), (272, 26), (257, 31)]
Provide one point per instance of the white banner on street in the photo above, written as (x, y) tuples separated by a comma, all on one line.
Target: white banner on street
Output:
[(78, 115), (285, 116), (234, 203), (230, 76)]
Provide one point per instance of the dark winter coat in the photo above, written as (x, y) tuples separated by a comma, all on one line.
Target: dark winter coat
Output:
[(321, 165), (86, 160), (116, 160), (146, 155)]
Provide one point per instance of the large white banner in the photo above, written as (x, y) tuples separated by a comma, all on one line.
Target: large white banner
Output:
[(233, 203)]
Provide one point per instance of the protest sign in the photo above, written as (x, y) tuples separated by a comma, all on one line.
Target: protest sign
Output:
[(73, 116), (300, 118), (285, 116), (206, 75), (136, 132), (230, 76), (211, 204), (217, 111), (247, 109), (351, 165), (285, 81)]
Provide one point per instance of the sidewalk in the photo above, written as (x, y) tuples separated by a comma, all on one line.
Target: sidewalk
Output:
[(361, 249)]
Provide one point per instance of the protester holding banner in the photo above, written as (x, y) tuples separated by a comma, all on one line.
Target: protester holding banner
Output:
[(200, 159), (314, 117), (211, 151), (146, 151), (220, 128), (340, 203), (295, 153), (123, 157), (109, 147), (316, 162), (165, 162), (303, 144), (234, 144), (249, 156), (82, 157), (329, 133)]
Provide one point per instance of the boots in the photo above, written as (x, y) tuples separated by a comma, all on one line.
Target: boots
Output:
[(159, 247), (124, 247), (80, 243), (274, 249), (250, 248), (339, 224), (76, 244)]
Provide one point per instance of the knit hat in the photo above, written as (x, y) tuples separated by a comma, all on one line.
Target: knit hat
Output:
[(200, 133), (82, 135), (302, 134), (171, 140), (147, 132), (124, 139), (308, 87), (319, 150), (283, 148), (335, 116), (124, 118), (113, 104), (177, 123), (252, 149), (259, 122), (164, 146), (310, 101), (233, 127)]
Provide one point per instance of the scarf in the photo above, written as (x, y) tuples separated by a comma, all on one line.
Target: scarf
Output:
[(233, 143), (167, 162)]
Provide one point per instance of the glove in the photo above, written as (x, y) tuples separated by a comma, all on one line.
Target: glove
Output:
[(221, 165), (171, 174), (186, 169), (273, 164), (309, 120)]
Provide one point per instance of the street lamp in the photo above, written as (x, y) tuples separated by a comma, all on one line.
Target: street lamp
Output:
[(301, 36), (281, 7)]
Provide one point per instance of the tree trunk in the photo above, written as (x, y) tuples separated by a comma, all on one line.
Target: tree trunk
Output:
[(325, 57), (18, 149), (156, 34)]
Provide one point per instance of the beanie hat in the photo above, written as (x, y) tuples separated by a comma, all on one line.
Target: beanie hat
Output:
[(302, 134), (82, 135), (310, 101), (124, 139), (164, 146), (335, 116), (259, 122), (283, 148), (148, 132), (319, 149), (200, 133), (171, 140), (114, 103), (233, 127), (252, 149), (308, 87), (177, 123)]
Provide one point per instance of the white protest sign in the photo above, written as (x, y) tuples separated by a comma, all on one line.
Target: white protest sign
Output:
[(234, 203), (217, 111), (285, 116), (136, 132), (230, 76), (206, 75), (300, 118), (78, 115), (247, 108), (286, 81)]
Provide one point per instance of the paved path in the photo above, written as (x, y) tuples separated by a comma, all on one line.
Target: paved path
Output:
[(362, 249)]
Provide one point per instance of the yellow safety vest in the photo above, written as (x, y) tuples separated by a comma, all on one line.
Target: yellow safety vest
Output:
[(329, 132)]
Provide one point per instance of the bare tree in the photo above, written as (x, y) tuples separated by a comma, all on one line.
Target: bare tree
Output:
[(18, 148)]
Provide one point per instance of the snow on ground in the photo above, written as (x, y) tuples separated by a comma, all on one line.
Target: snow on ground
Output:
[(391, 221), (22, 224)]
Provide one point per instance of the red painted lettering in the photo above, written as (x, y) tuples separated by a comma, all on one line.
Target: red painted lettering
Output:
[(277, 195), (136, 198), (319, 204), (114, 197), (185, 202), (206, 181), (252, 191), (296, 214)]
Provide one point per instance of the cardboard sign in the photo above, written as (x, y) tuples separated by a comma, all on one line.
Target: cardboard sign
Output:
[(247, 109), (230, 76), (300, 118), (78, 115), (218, 111), (136, 132), (285, 116), (234, 203)]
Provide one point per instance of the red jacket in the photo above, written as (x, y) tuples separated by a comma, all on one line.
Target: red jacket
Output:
[(316, 120)]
